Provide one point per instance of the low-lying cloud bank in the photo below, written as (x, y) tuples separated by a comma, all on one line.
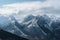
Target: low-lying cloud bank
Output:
[(35, 7)]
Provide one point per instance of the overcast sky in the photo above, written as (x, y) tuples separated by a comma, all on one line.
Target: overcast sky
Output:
[(2, 2), (30, 6)]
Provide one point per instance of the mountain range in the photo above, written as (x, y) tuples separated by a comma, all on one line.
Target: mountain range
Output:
[(40, 27)]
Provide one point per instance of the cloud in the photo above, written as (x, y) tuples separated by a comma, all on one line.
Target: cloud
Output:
[(25, 7), (35, 7), (16, 7)]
